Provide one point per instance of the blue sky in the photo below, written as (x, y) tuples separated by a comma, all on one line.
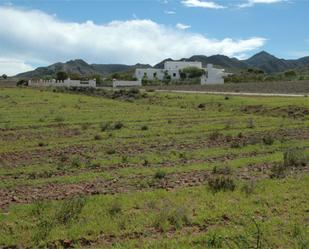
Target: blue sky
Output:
[(37, 32)]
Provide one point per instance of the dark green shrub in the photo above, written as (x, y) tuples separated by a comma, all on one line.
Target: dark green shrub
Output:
[(201, 106), (221, 183), (295, 157), (118, 125), (76, 162), (278, 170), (160, 174), (111, 151), (98, 137), (144, 128), (268, 140)]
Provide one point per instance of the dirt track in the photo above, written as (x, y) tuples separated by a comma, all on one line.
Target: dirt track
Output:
[(234, 93)]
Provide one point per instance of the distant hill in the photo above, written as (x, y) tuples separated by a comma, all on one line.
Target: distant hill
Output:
[(263, 61), (78, 67), (271, 64)]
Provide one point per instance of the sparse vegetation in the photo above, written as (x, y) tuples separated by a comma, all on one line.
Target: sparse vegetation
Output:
[(186, 181)]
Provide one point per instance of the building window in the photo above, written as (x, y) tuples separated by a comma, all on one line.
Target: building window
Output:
[(174, 74)]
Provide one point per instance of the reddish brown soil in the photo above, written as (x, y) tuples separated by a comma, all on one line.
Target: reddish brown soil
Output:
[(28, 194)]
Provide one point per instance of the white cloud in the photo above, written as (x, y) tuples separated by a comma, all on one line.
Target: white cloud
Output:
[(182, 26), (169, 12), (12, 67), (202, 4), (34, 36), (251, 3)]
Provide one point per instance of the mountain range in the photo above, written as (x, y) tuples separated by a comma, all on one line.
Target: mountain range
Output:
[(263, 61)]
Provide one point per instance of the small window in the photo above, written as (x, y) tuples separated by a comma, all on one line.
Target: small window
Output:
[(174, 74)]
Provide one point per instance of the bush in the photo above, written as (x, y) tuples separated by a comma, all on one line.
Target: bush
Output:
[(221, 183), (41, 144), (201, 106), (295, 157), (278, 170), (160, 174), (118, 125), (70, 210), (98, 137), (144, 128), (22, 83), (76, 162), (111, 151), (268, 140)]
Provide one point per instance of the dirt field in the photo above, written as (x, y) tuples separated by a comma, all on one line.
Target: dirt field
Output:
[(152, 170)]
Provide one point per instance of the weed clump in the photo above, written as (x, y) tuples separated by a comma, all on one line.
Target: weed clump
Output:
[(118, 125), (268, 140), (215, 135), (98, 137), (144, 128), (69, 210), (111, 151), (171, 216), (292, 158), (221, 183), (115, 208), (160, 174)]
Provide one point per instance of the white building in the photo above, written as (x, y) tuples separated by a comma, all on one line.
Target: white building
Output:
[(213, 75), (171, 68)]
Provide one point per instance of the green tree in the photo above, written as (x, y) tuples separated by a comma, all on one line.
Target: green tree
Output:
[(290, 74), (62, 75), (4, 76), (193, 72), (167, 78), (145, 79)]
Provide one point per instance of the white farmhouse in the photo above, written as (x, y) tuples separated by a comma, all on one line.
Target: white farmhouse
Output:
[(171, 68)]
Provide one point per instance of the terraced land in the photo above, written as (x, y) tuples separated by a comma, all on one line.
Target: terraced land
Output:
[(152, 170)]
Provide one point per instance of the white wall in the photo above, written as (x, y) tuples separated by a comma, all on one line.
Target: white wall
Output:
[(150, 73), (60, 83), (125, 83), (176, 65), (213, 76)]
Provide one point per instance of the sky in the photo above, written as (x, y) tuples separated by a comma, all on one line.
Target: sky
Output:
[(37, 33)]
